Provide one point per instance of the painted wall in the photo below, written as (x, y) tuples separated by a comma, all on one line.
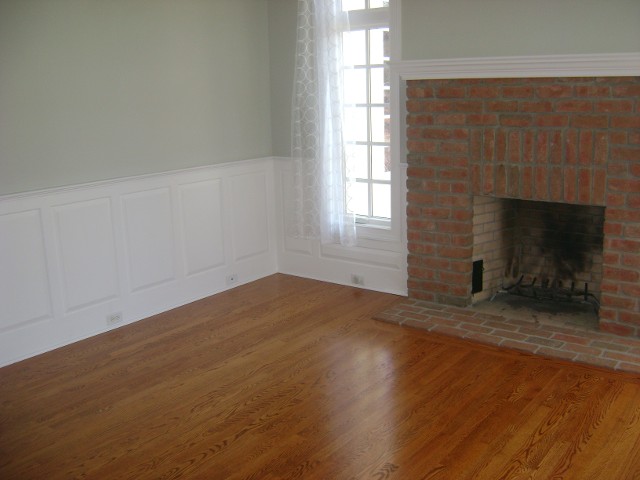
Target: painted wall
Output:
[(93, 89), (437, 29), (282, 50)]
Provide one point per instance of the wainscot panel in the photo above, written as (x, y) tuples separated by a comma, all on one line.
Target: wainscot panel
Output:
[(81, 260)]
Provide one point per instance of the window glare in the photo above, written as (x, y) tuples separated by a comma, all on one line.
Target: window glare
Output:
[(358, 198), (348, 5), (378, 124), (377, 85), (356, 161), (378, 46), (354, 47), (355, 85), (354, 4), (356, 124), (380, 163), (382, 200)]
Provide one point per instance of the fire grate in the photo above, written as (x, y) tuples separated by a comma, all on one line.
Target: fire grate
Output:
[(552, 291)]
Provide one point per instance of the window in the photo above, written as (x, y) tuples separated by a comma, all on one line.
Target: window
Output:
[(366, 51)]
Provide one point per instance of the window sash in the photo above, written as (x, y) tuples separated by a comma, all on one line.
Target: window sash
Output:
[(368, 20)]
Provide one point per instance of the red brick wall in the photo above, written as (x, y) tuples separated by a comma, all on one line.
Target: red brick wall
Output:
[(573, 140)]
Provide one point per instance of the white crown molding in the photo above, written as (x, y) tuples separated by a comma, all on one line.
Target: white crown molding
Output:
[(590, 65)]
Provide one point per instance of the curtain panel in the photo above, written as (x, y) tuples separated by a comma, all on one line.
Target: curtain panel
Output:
[(318, 147)]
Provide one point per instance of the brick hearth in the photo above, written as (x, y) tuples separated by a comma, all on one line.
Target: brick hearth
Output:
[(578, 344), (566, 140)]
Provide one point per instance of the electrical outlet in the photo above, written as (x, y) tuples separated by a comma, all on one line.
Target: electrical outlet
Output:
[(114, 318), (232, 279), (357, 279)]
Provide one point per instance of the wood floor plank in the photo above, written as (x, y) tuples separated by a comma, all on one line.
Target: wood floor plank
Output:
[(291, 378)]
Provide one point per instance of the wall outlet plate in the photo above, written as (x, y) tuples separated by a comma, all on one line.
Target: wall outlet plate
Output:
[(114, 318)]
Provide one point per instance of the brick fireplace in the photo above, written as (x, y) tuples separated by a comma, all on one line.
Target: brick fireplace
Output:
[(481, 144)]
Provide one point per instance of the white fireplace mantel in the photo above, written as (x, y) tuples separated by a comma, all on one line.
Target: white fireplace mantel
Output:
[(584, 65)]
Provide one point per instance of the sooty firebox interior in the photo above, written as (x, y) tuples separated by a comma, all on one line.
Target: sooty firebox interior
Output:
[(547, 251)]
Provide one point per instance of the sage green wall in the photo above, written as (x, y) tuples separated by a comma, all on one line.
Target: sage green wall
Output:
[(282, 50), (94, 89), (99, 89), (434, 29)]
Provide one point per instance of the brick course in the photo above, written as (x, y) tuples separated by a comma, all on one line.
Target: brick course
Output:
[(565, 140)]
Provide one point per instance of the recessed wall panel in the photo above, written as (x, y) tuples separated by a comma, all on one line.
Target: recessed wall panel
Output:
[(149, 233), (87, 252), (202, 225), (250, 225), (24, 284)]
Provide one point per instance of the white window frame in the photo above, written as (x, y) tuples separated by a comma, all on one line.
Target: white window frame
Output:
[(372, 231)]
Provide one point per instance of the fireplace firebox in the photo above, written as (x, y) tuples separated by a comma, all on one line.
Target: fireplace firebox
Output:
[(545, 251)]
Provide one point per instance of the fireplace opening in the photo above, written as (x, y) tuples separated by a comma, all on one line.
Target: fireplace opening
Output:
[(550, 254)]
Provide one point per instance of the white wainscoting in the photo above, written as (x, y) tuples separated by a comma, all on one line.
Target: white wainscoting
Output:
[(380, 258), (72, 257)]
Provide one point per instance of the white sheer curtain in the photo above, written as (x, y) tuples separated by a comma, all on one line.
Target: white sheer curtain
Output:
[(317, 126)]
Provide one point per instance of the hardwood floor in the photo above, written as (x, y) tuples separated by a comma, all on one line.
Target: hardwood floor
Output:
[(291, 378)]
